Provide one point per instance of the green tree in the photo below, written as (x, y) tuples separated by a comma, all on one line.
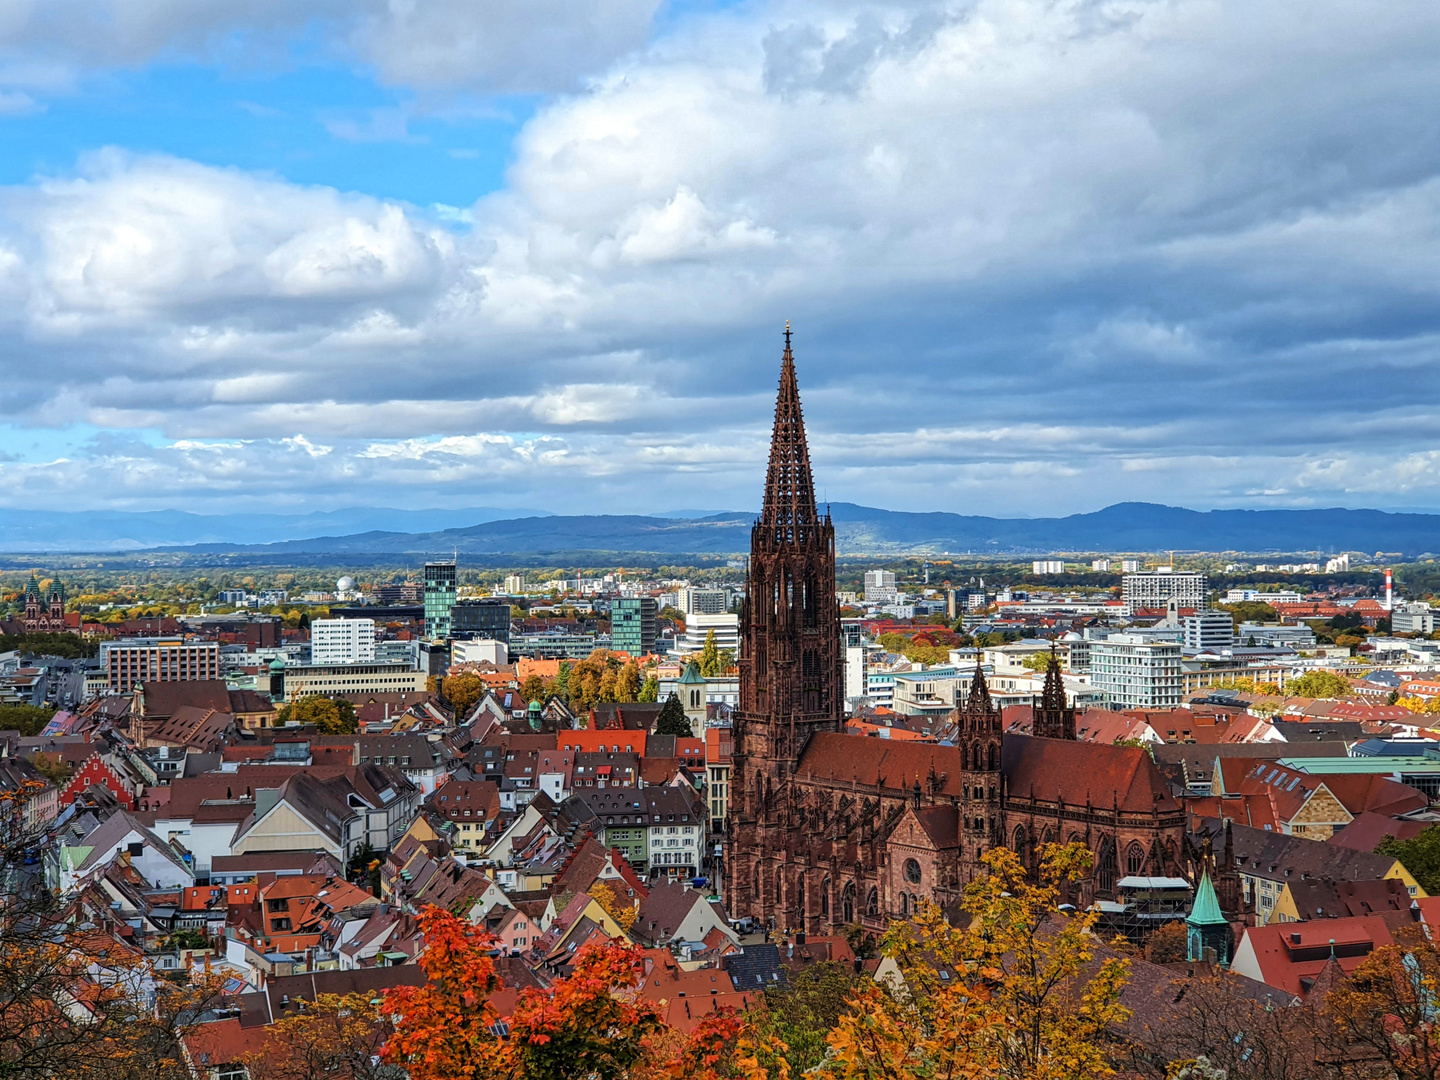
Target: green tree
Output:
[(26, 719), (803, 1015), (1319, 684), (672, 719), (649, 690), (1420, 855), (329, 715), (533, 689)]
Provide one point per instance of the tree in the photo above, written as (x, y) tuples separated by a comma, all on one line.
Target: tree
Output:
[(709, 656), (462, 690), (627, 682), (1319, 684), (1387, 1007), (1167, 945), (26, 719), (802, 1016), (1037, 661), (331, 716), (533, 689), (649, 690), (332, 1036), (1013, 995), (672, 719), (1420, 855), (609, 899), (586, 1025)]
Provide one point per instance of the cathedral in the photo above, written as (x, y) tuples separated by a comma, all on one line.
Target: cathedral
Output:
[(44, 613), (827, 829)]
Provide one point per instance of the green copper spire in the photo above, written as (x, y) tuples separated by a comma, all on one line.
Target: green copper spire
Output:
[(1206, 911)]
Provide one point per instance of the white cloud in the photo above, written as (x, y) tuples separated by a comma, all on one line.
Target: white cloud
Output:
[(1183, 251)]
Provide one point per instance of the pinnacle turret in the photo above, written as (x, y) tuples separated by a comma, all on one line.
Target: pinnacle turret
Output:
[(789, 486)]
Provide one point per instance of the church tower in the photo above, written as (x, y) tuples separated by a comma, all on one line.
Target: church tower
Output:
[(1054, 717), (791, 683)]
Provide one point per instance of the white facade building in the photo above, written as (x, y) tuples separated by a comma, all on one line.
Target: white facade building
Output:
[(1099, 564), (693, 601), (1129, 566), (342, 641), (727, 633), (1209, 630), (1251, 596), (1412, 619), (1132, 673), (880, 587), (479, 651), (1158, 589), (1047, 566)]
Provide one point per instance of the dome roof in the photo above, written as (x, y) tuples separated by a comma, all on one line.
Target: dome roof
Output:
[(277, 664)]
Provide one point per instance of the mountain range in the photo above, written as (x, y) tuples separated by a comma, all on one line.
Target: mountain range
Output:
[(1135, 527)]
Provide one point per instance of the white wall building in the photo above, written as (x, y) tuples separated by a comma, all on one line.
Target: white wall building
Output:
[(1047, 566), (1415, 618), (1158, 589), (1250, 596), (479, 651), (879, 587), (1209, 630), (726, 627), (342, 641), (1099, 564), (1132, 673)]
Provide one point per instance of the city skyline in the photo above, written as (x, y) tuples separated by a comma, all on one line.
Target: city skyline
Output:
[(1039, 259)]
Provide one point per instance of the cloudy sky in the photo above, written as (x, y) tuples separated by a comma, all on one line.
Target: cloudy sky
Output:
[(1040, 255)]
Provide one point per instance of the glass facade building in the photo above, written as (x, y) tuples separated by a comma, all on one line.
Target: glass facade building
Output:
[(632, 625), (440, 586), (481, 619)]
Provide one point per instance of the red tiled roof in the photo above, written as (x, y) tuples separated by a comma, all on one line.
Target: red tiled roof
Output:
[(1085, 774)]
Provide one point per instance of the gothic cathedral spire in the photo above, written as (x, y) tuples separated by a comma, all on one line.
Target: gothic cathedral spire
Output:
[(789, 508)]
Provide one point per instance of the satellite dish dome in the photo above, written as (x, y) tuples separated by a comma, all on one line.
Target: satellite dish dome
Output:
[(1072, 636), (345, 584)]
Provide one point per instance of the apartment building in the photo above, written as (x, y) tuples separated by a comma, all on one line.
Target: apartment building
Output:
[(1132, 672), (140, 660), (1156, 590), (342, 641)]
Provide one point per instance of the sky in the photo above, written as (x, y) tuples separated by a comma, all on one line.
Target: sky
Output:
[(1039, 256)]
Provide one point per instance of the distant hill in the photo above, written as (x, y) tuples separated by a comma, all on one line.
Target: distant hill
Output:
[(121, 530), (863, 530)]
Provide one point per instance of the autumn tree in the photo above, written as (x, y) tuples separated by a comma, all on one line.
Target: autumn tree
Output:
[(1168, 944), (672, 719), (617, 909), (649, 689), (586, 1025), (1386, 1010), (332, 1036), (709, 656), (1012, 995), (462, 689)]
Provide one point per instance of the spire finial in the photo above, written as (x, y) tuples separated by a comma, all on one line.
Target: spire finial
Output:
[(787, 335)]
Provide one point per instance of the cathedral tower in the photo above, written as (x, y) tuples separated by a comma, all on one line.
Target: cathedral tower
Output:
[(1054, 717), (791, 684)]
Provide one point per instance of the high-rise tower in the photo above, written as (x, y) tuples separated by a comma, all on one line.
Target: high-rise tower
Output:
[(791, 682)]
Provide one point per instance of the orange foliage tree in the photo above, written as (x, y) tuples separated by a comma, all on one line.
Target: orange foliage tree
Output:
[(588, 1024)]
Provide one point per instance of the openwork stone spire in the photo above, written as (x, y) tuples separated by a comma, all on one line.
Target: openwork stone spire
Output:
[(1054, 718), (1053, 696), (789, 487)]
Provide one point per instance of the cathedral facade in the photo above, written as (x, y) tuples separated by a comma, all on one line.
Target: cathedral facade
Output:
[(827, 829), (44, 611)]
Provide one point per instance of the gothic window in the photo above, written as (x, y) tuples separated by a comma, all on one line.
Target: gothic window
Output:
[(847, 903), (872, 902), (1134, 859), (825, 899), (904, 904), (1049, 835), (994, 764), (912, 871), (779, 888), (757, 883), (1019, 846), (1105, 867)]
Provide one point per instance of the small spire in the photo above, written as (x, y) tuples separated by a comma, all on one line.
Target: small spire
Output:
[(787, 336)]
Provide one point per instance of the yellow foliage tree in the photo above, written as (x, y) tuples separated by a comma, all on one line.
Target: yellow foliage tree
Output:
[(1013, 995), (610, 900)]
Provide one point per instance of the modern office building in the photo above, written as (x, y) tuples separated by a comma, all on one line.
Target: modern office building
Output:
[(479, 651), (344, 680), (693, 601), (697, 627), (879, 587), (1299, 636), (441, 582), (1415, 618), (1158, 589), (1209, 630), (342, 641), (632, 625), (488, 619), (138, 660), (1250, 596), (1134, 673)]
